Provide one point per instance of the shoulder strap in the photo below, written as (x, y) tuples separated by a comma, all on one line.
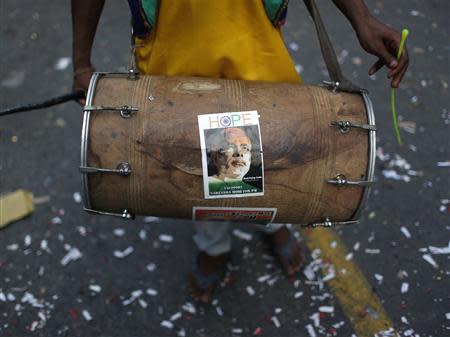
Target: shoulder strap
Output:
[(333, 67)]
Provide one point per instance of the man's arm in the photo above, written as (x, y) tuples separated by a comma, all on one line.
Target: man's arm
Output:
[(85, 17), (376, 38)]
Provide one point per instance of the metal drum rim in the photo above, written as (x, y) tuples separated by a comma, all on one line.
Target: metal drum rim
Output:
[(372, 153), (85, 137)]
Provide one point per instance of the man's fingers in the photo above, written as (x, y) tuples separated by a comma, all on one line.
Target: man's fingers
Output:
[(395, 83), (375, 67), (403, 63), (388, 59)]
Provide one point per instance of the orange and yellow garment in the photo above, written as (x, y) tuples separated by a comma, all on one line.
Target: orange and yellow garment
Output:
[(232, 39)]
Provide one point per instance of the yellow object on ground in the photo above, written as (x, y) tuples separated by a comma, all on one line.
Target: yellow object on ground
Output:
[(220, 38), (356, 298), (15, 206)]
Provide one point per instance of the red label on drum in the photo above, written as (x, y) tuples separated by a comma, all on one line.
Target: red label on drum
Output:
[(260, 216)]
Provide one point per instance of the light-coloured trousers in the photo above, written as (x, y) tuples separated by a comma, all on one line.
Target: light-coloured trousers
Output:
[(215, 239)]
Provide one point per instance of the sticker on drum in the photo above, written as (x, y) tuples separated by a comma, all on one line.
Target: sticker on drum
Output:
[(232, 158), (259, 216)]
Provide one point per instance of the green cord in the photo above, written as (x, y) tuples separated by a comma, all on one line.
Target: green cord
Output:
[(405, 34)]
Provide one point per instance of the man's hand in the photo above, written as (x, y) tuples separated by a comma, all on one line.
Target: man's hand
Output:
[(81, 79), (381, 40), (376, 38)]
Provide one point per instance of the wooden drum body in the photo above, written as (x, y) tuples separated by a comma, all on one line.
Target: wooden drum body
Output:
[(141, 151)]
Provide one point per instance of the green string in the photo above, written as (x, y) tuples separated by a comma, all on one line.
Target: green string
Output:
[(405, 34)]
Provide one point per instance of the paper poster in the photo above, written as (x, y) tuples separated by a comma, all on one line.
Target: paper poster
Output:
[(232, 156), (260, 216)]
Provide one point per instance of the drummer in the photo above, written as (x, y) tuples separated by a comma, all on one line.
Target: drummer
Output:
[(227, 39)]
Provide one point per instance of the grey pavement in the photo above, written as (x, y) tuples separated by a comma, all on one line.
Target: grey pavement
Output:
[(143, 294)]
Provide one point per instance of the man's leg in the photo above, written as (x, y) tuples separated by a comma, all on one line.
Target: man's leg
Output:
[(285, 248), (212, 238), (214, 243)]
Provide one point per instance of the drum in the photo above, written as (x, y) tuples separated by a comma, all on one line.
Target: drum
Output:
[(301, 154)]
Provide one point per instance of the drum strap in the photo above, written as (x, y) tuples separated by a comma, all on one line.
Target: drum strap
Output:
[(333, 67)]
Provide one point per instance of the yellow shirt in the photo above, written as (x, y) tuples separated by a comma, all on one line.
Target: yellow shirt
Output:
[(215, 38)]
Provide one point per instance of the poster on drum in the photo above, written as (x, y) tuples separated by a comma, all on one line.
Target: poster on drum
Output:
[(232, 158)]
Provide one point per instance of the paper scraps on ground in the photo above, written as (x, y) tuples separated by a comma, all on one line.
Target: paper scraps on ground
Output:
[(15, 206)]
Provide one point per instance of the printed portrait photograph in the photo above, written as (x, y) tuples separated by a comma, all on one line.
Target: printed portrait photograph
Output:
[(234, 160)]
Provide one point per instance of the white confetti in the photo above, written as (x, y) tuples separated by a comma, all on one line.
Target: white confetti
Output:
[(137, 293), (181, 332), (264, 278), (151, 267), (311, 331), (349, 256), (331, 274), (405, 232), (219, 311), (56, 220), (42, 316), (293, 46), (176, 316), (151, 292), (189, 307), (272, 281), (430, 260), (167, 324), (299, 68), (298, 294), (315, 317), (392, 174), (44, 245), (143, 234), (72, 255), (404, 320), (142, 303), (166, 238), (379, 278), (275, 321), (13, 246), (237, 331), (407, 333), (447, 315), (119, 232), (443, 163), (242, 235), (122, 254), (63, 63), (11, 297), (2, 297), (404, 288), (77, 197), (440, 250), (87, 316), (372, 251), (95, 288), (250, 291), (327, 309), (34, 325), (29, 298), (134, 296), (82, 230), (27, 240)]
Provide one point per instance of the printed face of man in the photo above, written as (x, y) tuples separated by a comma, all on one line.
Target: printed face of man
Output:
[(233, 154)]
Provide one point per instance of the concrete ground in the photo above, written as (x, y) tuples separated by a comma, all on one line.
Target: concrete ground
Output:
[(391, 250)]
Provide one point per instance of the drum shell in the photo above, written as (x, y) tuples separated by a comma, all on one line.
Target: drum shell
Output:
[(301, 149)]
